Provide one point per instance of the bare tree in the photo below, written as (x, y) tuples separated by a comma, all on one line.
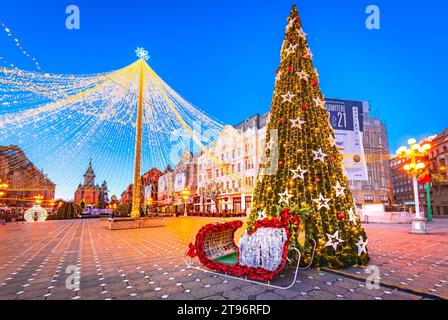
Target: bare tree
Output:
[(212, 190)]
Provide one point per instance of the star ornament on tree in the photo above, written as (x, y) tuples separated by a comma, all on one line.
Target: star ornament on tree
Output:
[(278, 77), (288, 97), (301, 33), (142, 53), (352, 217), (334, 240), (308, 53), (291, 49), (332, 140), (261, 214), (322, 202), (319, 155), (303, 75), (319, 103), (297, 123), (270, 144), (339, 190), (362, 245), (284, 197), (290, 24), (298, 173)]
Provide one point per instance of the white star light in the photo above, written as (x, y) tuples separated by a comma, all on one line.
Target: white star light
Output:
[(290, 24), (270, 144), (288, 97), (362, 245), (322, 202), (319, 155), (309, 53), (339, 190), (297, 123), (277, 78), (352, 217), (298, 173), (261, 214), (332, 140), (303, 75), (301, 33), (336, 241), (142, 53), (291, 49), (319, 103), (284, 197)]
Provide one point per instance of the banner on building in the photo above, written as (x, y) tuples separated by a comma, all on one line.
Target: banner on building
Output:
[(346, 118), (180, 182)]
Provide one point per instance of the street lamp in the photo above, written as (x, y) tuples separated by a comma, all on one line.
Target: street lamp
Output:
[(38, 199), (414, 165), (185, 196), (149, 203)]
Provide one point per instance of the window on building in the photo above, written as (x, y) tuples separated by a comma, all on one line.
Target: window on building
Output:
[(368, 198)]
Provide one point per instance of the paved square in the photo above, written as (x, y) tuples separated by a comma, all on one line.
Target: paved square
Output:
[(38, 259)]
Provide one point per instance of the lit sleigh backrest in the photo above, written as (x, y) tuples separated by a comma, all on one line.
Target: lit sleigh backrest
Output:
[(263, 248)]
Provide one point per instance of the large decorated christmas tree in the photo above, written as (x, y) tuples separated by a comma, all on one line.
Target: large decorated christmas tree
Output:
[(309, 184)]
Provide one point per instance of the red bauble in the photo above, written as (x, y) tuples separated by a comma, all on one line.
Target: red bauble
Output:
[(340, 216), (281, 120), (281, 163), (312, 217), (291, 38), (276, 71), (317, 180), (305, 107), (315, 83), (290, 68)]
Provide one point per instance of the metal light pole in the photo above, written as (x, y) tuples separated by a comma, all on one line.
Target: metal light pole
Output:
[(428, 200), (135, 211), (414, 165)]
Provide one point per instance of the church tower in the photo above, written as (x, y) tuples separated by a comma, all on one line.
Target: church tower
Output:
[(89, 176)]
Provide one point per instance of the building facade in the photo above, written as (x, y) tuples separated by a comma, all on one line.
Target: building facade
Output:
[(233, 160), (234, 165), (438, 159), (175, 181), (150, 180), (378, 187), (24, 180)]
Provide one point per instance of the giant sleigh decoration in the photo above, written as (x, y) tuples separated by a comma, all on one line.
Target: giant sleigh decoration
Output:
[(261, 255)]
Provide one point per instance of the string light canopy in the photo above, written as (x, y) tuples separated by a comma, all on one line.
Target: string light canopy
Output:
[(63, 120)]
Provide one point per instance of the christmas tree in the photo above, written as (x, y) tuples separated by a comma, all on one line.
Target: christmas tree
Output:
[(309, 184)]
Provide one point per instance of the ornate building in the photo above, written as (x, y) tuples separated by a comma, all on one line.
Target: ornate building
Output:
[(88, 191), (24, 180), (438, 159), (149, 184)]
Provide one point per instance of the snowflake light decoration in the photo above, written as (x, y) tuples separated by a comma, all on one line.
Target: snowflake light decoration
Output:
[(142, 53)]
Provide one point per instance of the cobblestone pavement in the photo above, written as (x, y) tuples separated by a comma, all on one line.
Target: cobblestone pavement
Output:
[(148, 264)]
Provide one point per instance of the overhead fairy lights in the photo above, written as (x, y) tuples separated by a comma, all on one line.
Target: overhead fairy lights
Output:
[(20, 47), (62, 120)]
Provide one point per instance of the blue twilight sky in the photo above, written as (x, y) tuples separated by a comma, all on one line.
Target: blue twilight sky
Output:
[(221, 55)]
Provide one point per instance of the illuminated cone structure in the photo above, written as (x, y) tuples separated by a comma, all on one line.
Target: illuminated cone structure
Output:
[(310, 172)]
